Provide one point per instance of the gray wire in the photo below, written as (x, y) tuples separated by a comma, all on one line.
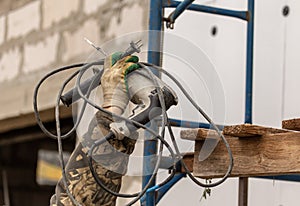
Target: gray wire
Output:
[(126, 120), (35, 95), (163, 124), (230, 166), (60, 149), (161, 137), (58, 131)]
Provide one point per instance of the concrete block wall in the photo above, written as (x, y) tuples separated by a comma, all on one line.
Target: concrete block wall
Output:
[(37, 36)]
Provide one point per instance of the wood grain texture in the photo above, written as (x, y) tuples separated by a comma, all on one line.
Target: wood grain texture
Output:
[(188, 159), (292, 124), (270, 154), (249, 130), (198, 134)]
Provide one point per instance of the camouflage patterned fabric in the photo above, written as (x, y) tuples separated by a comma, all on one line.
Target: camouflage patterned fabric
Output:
[(110, 163)]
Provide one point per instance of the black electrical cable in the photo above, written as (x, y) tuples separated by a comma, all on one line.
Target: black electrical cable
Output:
[(230, 166), (208, 119), (59, 142), (163, 124), (57, 119), (139, 194), (58, 131), (160, 137), (35, 95), (127, 120), (118, 117), (59, 137)]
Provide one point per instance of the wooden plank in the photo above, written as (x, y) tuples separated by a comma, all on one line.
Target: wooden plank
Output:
[(198, 134), (188, 159), (271, 154), (292, 124), (249, 130)]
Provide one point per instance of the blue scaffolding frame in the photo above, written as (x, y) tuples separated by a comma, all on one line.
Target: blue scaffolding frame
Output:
[(156, 18), (154, 194)]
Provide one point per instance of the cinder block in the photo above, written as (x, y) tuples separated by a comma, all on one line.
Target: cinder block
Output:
[(131, 20), (2, 29), (24, 20), (40, 54), (10, 64), (91, 6), (74, 41), (56, 10)]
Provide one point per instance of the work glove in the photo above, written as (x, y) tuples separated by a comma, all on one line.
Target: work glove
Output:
[(113, 80)]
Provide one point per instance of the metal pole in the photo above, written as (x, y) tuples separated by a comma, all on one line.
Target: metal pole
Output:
[(208, 9), (243, 181), (243, 191), (182, 6), (191, 124), (154, 57), (249, 63)]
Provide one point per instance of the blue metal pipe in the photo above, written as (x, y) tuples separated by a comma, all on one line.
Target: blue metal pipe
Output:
[(249, 63), (191, 124), (149, 198), (243, 182), (180, 8), (292, 178), (161, 191), (211, 10), (164, 189), (154, 57), (155, 35)]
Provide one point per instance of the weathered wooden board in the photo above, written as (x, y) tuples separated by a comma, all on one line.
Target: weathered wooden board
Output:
[(249, 130), (243, 130), (188, 159), (198, 134), (292, 124), (270, 154)]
